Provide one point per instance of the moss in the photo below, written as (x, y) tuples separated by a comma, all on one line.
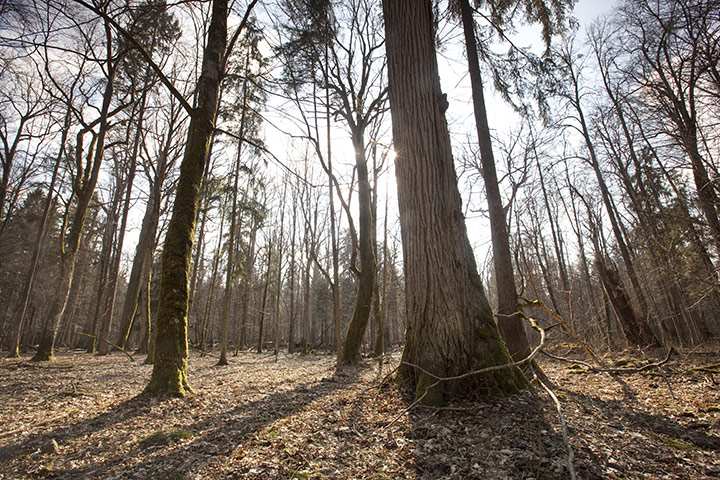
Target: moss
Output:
[(160, 437), (155, 438), (432, 395), (300, 474), (576, 368), (179, 434), (674, 443)]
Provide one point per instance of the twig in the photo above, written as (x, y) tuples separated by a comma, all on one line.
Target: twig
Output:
[(614, 370), (427, 389), (662, 372), (492, 368), (563, 427), (117, 347)]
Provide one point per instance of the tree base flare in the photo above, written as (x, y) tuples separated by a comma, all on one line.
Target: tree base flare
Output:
[(171, 382)]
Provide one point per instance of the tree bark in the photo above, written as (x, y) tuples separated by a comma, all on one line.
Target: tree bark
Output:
[(450, 326), (368, 265), (171, 347)]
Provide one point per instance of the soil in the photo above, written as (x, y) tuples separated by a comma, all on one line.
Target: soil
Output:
[(264, 417)]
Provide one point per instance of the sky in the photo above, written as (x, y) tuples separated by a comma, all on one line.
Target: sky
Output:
[(501, 117)]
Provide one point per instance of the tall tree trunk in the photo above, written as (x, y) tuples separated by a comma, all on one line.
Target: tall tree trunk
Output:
[(247, 283), (144, 251), (278, 288), (382, 318), (614, 222), (368, 265), (450, 326), (291, 313), (510, 325), (171, 347), (111, 293), (210, 300), (261, 321)]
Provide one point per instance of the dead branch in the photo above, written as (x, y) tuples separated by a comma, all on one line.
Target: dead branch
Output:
[(613, 370), (539, 304), (116, 347), (563, 427), (712, 368)]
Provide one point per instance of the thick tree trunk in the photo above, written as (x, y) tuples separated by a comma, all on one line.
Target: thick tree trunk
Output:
[(450, 326), (510, 325)]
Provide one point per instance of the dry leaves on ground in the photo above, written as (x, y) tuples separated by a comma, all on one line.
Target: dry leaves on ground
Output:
[(82, 417)]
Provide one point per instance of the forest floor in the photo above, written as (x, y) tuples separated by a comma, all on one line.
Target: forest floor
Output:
[(81, 416)]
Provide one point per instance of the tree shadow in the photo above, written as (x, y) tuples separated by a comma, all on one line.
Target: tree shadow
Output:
[(209, 440), (123, 411), (508, 437), (618, 412)]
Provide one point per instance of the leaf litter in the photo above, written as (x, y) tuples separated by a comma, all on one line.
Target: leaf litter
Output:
[(292, 418)]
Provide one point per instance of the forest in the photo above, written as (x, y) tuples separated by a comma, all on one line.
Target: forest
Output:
[(423, 239)]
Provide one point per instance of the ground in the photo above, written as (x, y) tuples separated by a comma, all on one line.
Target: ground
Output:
[(83, 416)]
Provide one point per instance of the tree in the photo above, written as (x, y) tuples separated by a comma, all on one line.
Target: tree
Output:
[(171, 349), (86, 177), (344, 41), (450, 326)]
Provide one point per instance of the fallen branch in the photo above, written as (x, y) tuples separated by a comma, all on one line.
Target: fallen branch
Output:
[(613, 370), (539, 304), (712, 368), (116, 347), (563, 428)]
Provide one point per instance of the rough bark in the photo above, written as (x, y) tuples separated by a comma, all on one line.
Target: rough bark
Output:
[(450, 326)]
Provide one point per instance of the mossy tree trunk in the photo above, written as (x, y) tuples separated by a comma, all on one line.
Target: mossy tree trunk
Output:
[(169, 374), (450, 326)]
